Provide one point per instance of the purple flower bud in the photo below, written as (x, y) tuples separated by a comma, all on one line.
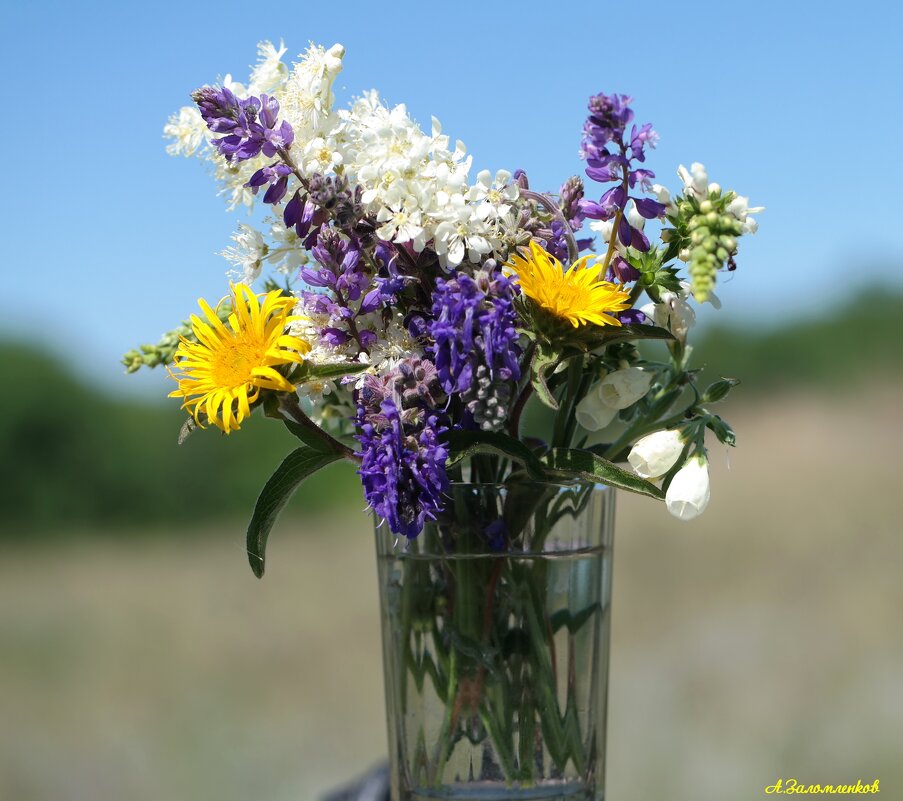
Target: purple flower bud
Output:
[(292, 211), (648, 208), (371, 302), (367, 338), (622, 271), (334, 337), (321, 278), (632, 317), (276, 191)]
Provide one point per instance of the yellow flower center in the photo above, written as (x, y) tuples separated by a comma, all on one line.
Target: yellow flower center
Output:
[(231, 366)]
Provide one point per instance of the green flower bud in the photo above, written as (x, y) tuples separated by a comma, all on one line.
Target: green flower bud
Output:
[(718, 390)]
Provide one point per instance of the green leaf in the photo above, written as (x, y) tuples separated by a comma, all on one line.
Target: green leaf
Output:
[(463, 444), (313, 438), (297, 466), (591, 467), (324, 372), (188, 428)]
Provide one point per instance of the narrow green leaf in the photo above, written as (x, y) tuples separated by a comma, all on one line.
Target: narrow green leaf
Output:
[(188, 428), (463, 444), (297, 466), (592, 467), (325, 372), (315, 439)]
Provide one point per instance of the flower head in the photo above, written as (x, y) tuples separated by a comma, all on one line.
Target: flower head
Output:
[(222, 373), (656, 453), (579, 295), (402, 467), (688, 493)]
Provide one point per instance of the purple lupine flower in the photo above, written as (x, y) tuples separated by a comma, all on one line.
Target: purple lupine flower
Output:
[(342, 258), (251, 125), (402, 466), (474, 323), (609, 115), (557, 243), (610, 155)]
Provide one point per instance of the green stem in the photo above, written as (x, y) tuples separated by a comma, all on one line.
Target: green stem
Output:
[(289, 403), (612, 243), (555, 209)]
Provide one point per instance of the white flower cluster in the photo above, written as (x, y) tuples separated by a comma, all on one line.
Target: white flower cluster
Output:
[(417, 184)]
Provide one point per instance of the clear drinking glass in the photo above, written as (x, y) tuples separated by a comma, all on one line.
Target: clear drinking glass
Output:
[(495, 624)]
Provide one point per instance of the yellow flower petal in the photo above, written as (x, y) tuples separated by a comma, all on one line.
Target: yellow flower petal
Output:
[(578, 295), (223, 372)]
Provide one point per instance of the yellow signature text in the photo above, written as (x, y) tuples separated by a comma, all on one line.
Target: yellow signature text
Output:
[(793, 787)]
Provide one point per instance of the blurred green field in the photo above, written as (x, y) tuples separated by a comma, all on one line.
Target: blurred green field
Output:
[(763, 641)]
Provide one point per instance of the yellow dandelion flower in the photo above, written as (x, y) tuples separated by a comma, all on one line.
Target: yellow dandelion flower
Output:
[(223, 372), (579, 295)]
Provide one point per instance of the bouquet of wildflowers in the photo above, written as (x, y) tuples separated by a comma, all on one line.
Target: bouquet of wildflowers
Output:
[(409, 313)]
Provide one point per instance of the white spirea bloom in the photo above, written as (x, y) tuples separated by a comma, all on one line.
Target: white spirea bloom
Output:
[(593, 413), (287, 253), (623, 388), (269, 74), (306, 98), (688, 494), (187, 130), (498, 193), (656, 453), (247, 254)]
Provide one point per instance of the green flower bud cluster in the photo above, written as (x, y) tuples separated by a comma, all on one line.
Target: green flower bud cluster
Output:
[(164, 351), (705, 233)]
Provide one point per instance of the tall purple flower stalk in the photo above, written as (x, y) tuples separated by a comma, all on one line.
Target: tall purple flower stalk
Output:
[(613, 156), (402, 457), (474, 323), (341, 270), (476, 341)]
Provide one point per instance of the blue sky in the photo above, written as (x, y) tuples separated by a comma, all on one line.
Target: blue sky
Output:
[(107, 241)]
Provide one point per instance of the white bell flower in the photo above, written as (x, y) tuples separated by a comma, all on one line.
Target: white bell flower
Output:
[(656, 453), (696, 179), (673, 313), (623, 388), (688, 494), (634, 217), (593, 413), (661, 193)]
